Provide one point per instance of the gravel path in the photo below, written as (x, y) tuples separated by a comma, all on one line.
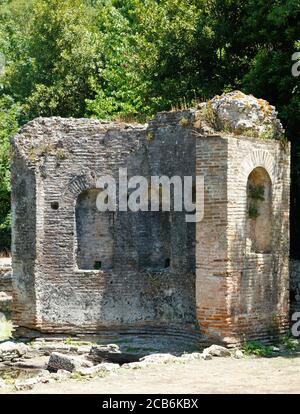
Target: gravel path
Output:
[(219, 375)]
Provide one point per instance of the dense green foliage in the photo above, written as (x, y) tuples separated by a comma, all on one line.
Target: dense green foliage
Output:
[(121, 59)]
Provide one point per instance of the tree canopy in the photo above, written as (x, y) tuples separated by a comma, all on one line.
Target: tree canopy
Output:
[(121, 59)]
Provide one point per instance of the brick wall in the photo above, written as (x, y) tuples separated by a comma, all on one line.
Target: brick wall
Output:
[(53, 294), (242, 294), (159, 272)]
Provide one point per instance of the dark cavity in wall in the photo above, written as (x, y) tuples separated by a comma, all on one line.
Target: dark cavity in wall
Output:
[(259, 197), (94, 231)]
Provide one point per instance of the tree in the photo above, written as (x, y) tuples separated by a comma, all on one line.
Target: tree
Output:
[(56, 60), (8, 126)]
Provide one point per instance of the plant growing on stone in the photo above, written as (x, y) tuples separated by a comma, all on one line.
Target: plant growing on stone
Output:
[(290, 343), (184, 121), (61, 154), (79, 377), (211, 116), (258, 348), (256, 194), (253, 212)]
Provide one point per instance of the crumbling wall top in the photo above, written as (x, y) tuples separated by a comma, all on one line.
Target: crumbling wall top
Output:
[(241, 114), (231, 113), (43, 136)]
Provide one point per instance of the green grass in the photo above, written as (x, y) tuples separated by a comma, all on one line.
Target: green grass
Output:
[(76, 342), (79, 377), (257, 348), (290, 343)]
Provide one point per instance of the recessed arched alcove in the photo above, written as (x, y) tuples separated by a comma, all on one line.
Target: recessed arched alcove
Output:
[(159, 248), (94, 231), (259, 210)]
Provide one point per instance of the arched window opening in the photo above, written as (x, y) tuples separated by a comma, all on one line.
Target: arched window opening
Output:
[(94, 233), (259, 209)]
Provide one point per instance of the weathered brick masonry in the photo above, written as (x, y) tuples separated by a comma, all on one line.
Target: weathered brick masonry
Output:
[(241, 292), (79, 270)]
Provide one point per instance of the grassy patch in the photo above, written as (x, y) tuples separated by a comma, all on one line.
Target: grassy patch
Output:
[(72, 341), (184, 121), (290, 343), (257, 348), (79, 377)]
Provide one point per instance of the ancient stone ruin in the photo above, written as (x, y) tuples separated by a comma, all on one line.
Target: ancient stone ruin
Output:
[(222, 279)]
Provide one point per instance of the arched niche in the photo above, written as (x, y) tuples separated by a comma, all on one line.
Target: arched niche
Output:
[(94, 233), (259, 211)]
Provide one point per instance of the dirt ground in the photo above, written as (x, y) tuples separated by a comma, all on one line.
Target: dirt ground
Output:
[(219, 375)]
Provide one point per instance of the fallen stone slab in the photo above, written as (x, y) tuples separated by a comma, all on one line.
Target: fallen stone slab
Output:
[(70, 363), (217, 351), (39, 362), (113, 353)]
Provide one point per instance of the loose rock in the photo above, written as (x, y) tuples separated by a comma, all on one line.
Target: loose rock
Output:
[(96, 369), (39, 362), (216, 350), (69, 363), (159, 359), (84, 349), (192, 356), (61, 375), (11, 351), (112, 353), (238, 354)]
